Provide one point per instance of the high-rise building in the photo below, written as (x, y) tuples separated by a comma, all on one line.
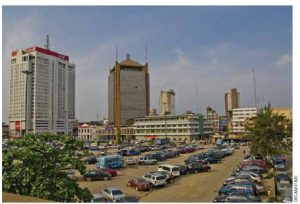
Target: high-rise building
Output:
[(167, 102), (42, 92), (128, 92), (232, 100), (213, 117)]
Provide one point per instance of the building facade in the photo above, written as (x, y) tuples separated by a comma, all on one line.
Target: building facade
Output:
[(152, 111), (128, 92), (213, 117), (232, 100), (177, 128), (240, 116), (167, 102), (42, 92), (89, 132)]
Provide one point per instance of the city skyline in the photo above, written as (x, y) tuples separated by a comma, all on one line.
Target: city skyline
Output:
[(211, 49)]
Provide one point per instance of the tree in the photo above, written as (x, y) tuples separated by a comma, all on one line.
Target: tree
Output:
[(267, 131), (33, 166)]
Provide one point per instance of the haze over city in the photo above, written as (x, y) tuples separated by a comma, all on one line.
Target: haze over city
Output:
[(211, 48)]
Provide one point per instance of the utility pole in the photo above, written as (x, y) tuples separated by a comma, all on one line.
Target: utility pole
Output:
[(254, 84)]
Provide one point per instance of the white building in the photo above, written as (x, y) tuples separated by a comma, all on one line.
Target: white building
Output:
[(167, 102), (177, 128), (239, 116), (42, 92)]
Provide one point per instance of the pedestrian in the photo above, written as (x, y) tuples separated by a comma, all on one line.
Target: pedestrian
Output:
[(244, 151)]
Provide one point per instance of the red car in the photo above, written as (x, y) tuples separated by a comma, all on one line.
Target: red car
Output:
[(140, 184), (109, 171)]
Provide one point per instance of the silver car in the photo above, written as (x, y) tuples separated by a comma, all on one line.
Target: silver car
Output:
[(113, 194)]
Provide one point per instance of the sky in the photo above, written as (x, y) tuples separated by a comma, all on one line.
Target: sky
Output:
[(208, 49)]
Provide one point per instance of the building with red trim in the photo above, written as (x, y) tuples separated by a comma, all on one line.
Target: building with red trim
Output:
[(42, 92)]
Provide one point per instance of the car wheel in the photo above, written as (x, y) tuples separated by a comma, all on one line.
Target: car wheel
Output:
[(196, 171), (89, 179), (171, 181), (105, 178), (128, 185)]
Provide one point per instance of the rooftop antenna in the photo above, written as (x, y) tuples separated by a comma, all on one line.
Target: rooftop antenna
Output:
[(254, 84), (47, 45), (117, 52), (146, 53)]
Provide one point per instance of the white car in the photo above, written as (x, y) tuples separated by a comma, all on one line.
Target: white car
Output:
[(174, 170), (113, 194), (147, 160), (156, 179)]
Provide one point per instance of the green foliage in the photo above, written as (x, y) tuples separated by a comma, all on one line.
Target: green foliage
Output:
[(267, 132), (33, 166)]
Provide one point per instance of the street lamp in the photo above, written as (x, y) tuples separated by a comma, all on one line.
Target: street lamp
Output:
[(26, 99)]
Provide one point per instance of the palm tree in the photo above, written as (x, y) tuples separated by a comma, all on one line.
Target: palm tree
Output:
[(267, 131)]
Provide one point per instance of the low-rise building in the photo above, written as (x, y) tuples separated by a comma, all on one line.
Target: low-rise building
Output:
[(175, 127), (239, 117), (5, 131)]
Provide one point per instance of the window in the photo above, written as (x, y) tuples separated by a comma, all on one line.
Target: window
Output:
[(24, 58)]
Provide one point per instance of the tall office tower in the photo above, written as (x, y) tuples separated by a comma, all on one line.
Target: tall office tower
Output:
[(232, 100), (213, 117), (42, 92), (167, 102), (128, 92)]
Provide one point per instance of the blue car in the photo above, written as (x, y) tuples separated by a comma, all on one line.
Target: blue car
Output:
[(246, 188), (133, 152)]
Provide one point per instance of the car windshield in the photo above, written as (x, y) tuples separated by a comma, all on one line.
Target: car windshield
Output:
[(160, 178), (140, 180), (176, 169), (117, 192)]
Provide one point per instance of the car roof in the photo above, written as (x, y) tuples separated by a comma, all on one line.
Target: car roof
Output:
[(168, 165), (113, 188)]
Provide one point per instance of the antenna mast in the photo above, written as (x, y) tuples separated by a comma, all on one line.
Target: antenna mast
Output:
[(47, 45), (146, 54), (197, 108), (254, 84), (117, 52)]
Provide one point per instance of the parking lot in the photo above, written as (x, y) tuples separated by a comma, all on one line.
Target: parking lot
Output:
[(199, 187)]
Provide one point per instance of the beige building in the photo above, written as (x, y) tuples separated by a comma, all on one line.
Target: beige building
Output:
[(93, 132), (287, 112), (167, 102), (232, 100), (240, 116), (128, 92), (177, 128)]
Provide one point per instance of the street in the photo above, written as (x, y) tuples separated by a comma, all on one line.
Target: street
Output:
[(199, 187)]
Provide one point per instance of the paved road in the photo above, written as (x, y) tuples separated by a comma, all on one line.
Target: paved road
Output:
[(190, 188)]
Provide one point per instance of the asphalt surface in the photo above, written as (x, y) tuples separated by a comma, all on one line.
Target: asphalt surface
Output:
[(199, 187)]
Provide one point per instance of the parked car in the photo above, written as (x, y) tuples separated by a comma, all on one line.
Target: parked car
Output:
[(122, 152), (172, 169), (254, 176), (158, 156), (130, 161), (155, 179), (113, 194), (198, 167), (90, 160), (147, 160), (109, 171), (279, 164), (283, 177), (183, 169), (211, 160), (133, 152), (238, 188), (169, 177), (140, 184), (237, 199), (282, 186), (96, 175)]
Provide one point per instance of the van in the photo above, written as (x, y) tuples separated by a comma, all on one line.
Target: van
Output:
[(172, 169)]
